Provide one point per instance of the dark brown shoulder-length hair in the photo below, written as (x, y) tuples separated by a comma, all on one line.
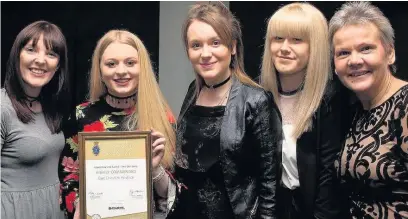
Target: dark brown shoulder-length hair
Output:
[(228, 28), (54, 96)]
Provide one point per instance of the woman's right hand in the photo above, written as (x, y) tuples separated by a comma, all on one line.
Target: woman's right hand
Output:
[(76, 214)]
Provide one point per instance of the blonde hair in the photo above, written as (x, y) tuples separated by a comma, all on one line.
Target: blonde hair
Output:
[(152, 109), (228, 29), (300, 20)]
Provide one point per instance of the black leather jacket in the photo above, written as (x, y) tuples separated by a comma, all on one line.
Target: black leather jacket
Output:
[(251, 132)]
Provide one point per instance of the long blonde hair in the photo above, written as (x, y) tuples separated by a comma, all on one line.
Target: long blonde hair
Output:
[(152, 110), (307, 22), (219, 17)]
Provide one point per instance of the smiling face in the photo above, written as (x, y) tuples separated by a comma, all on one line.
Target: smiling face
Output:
[(209, 56), (120, 69), (360, 58), (37, 66), (290, 55)]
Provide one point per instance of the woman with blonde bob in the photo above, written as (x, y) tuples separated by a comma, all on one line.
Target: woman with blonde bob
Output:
[(296, 69), (373, 164), (124, 95), (228, 129)]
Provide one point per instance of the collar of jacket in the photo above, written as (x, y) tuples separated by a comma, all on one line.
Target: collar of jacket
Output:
[(191, 96)]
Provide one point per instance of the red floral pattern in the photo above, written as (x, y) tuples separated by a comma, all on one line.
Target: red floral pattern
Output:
[(170, 117), (129, 111), (75, 139), (69, 200), (97, 126), (72, 176), (69, 165), (85, 104), (90, 117)]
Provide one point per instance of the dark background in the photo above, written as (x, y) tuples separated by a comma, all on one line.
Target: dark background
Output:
[(83, 23), (254, 19)]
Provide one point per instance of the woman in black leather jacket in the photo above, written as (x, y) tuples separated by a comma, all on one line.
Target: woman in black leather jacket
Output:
[(228, 128)]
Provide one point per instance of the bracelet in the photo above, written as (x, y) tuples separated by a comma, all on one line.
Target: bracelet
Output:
[(160, 175)]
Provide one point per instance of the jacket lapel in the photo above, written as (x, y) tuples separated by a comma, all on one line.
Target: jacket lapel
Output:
[(224, 136), (306, 161)]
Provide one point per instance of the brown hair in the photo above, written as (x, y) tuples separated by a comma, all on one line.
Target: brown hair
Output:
[(54, 96), (227, 27)]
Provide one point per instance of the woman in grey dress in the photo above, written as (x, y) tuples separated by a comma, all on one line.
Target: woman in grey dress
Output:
[(33, 103)]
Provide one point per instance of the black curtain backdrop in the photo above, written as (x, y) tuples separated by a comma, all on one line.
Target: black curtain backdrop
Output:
[(82, 23), (254, 19)]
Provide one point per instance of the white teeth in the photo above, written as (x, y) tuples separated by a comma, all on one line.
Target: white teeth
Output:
[(122, 80), (37, 71), (358, 74)]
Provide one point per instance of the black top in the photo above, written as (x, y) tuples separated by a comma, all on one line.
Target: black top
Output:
[(250, 132), (206, 196), (96, 116), (316, 150), (373, 164)]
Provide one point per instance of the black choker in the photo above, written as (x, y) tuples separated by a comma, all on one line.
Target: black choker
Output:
[(31, 99), (117, 99), (217, 85), (292, 92)]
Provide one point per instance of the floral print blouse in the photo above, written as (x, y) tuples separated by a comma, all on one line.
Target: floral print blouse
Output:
[(89, 117)]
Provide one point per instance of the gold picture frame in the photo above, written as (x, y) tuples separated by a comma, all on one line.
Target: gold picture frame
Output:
[(109, 165)]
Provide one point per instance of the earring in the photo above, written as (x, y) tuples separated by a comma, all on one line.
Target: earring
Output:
[(335, 72)]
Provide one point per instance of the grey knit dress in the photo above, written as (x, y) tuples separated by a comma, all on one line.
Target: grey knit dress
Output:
[(29, 166)]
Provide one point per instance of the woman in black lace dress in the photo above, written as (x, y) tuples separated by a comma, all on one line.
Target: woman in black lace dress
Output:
[(228, 128), (373, 165)]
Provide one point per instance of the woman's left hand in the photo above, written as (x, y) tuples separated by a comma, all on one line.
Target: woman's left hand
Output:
[(159, 141)]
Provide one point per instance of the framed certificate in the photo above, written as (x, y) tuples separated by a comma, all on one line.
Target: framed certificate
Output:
[(115, 175)]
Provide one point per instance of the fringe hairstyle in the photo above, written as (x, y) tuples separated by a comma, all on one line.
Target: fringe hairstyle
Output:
[(54, 97), (307, 22)]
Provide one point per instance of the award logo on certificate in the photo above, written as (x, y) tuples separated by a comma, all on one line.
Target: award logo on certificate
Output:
[(115, 175)]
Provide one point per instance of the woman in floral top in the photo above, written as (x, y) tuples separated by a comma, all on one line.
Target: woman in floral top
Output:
[(124, 95)]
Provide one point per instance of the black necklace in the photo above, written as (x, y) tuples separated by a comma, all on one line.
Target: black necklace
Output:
[(217, 85), (292, 92), (114, 98), (31, 99)]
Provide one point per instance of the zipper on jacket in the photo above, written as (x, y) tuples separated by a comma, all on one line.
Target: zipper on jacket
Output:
[(253, 211)]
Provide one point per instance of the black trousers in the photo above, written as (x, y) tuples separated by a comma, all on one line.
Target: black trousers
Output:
[(289, 204)]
